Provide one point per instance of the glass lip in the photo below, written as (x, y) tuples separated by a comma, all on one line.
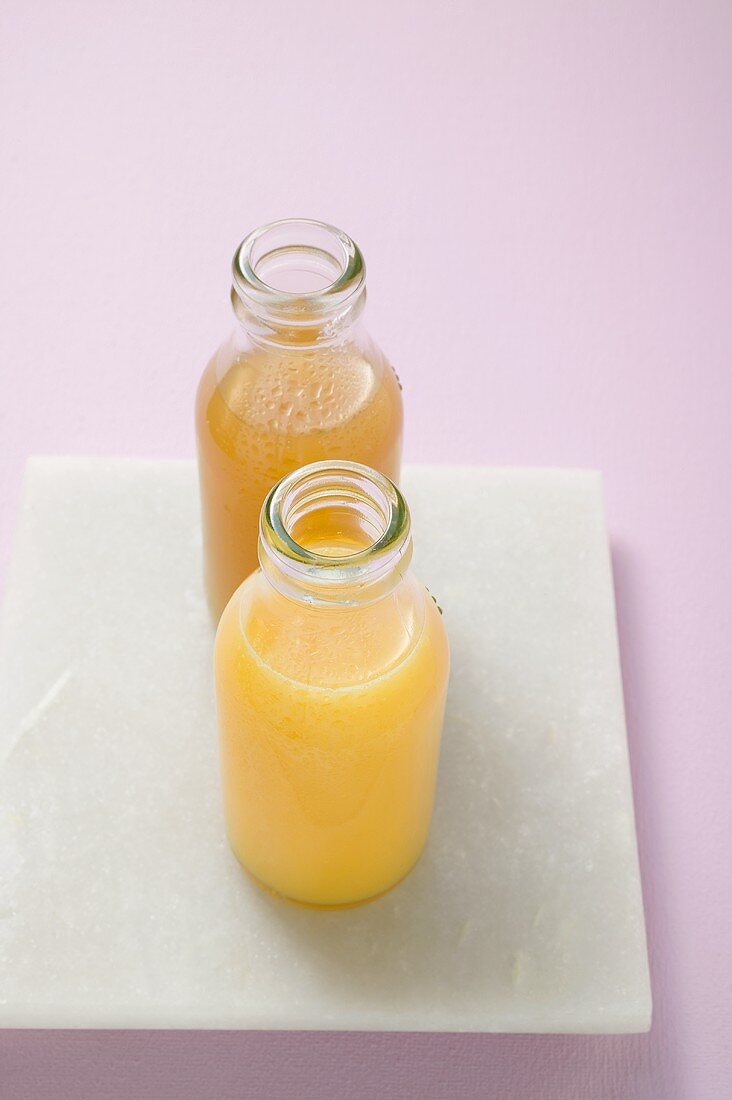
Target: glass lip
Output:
[(248, 285), (375, 569)]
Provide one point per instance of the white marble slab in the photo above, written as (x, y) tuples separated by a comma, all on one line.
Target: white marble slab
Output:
[(120, 904)]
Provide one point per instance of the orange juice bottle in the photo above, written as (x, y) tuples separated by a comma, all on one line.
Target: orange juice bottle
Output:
[(331, 668), (298, 381)]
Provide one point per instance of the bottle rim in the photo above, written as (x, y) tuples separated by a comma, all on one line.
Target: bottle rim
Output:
[(359, 577), (334, 259)]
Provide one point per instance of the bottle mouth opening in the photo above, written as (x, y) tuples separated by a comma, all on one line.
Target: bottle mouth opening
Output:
[(296, 268), (335, 532)]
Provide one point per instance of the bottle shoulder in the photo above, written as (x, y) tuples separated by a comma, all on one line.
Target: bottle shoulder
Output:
[(330, 649), (297, 391)]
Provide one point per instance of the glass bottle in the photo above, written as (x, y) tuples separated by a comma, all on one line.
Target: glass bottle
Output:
[(299, 380), (331, 667)]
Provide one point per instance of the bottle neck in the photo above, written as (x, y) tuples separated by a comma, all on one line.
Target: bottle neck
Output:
[(335, 534), (298, 283)]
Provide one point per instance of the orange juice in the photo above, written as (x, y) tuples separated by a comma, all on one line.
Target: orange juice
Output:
[(330, 702), (299, 381)]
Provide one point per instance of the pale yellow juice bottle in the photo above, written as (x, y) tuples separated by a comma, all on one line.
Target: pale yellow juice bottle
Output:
[(298, 381), (331, 669)]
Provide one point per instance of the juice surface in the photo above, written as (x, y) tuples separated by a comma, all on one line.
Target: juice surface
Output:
[(330, 723), (265, 412)]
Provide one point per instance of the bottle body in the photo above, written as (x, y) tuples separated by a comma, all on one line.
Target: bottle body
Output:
[(298, 381), (328, 788), (330, 704), (262, 412)]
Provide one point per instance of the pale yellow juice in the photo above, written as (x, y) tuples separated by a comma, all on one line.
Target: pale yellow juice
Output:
[(330, 722)]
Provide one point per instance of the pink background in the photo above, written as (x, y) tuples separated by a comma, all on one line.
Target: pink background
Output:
[(543, 194)]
